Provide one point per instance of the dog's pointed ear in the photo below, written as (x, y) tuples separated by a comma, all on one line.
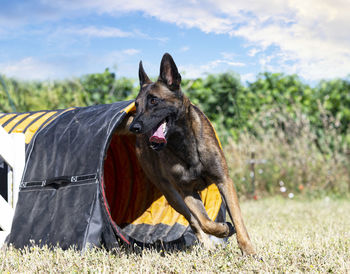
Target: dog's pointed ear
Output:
[(143, 76), (169, 74)]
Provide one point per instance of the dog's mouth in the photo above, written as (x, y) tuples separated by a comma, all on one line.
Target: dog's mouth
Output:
[(158, 137)]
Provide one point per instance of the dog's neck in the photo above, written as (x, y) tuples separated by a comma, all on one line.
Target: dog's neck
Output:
[(182, 141)]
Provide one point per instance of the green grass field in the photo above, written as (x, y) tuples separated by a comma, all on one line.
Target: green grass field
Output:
[(290, 236)]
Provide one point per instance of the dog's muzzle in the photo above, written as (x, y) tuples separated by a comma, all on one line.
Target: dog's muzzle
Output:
[(136, 127)]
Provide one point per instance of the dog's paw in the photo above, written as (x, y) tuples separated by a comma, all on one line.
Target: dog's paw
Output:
[(231, 229), (249, 250)]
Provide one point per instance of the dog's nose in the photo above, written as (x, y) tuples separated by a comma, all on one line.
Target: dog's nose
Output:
[(135, 128)]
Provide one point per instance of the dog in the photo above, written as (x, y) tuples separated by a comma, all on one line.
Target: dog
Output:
[(177, 148)]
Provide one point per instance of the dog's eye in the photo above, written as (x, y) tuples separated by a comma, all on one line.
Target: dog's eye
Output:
[(153, 101)]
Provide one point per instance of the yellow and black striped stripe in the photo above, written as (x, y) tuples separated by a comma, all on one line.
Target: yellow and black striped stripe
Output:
[(29, 122)]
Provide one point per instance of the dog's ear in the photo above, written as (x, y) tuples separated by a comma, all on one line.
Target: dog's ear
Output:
[(169, 74), (143, 76)]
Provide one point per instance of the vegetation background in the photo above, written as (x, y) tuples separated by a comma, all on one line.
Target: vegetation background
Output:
[(280, 135)]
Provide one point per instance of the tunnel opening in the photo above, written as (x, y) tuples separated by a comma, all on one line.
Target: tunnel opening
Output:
[(135, 204)]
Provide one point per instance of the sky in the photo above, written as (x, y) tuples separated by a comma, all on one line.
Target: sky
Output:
[(43, 39)]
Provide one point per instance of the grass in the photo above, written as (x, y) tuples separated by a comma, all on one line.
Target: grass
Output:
[(290, 236)]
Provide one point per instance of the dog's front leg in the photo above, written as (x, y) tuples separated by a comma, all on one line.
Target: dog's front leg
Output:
[(229, 194), (176, 201), (195, 204)]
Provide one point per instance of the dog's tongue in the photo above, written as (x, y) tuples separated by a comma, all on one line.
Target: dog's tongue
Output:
[(158, 135)]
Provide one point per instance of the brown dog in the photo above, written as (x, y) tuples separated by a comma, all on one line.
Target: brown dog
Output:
[(178, 149)]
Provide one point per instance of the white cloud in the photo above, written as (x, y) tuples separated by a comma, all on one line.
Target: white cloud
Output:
[(131, 51), (231, 63), (143, 35), (311, 37), (103, 32), (28, 68), (228, 55), (253, 52), (67, 66), (229, 59), (181, 13), (215, 66)]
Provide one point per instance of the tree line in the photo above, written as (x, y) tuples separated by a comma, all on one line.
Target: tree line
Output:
[(229, 104)]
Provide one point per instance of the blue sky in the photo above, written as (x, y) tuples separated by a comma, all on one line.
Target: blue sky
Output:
[(42, 39)]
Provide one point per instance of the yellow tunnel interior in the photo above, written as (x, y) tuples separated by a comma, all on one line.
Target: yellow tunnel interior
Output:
[(132, 197)]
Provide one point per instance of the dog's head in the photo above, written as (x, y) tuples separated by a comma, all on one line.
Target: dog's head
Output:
[(158, 104)]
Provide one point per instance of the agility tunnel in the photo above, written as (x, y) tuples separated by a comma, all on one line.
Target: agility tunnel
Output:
[(83, 186)]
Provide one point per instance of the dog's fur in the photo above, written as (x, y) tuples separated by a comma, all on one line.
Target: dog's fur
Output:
[(188, 159)]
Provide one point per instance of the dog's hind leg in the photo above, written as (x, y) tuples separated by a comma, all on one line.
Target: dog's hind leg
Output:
[(229, 194), (195, 204)]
